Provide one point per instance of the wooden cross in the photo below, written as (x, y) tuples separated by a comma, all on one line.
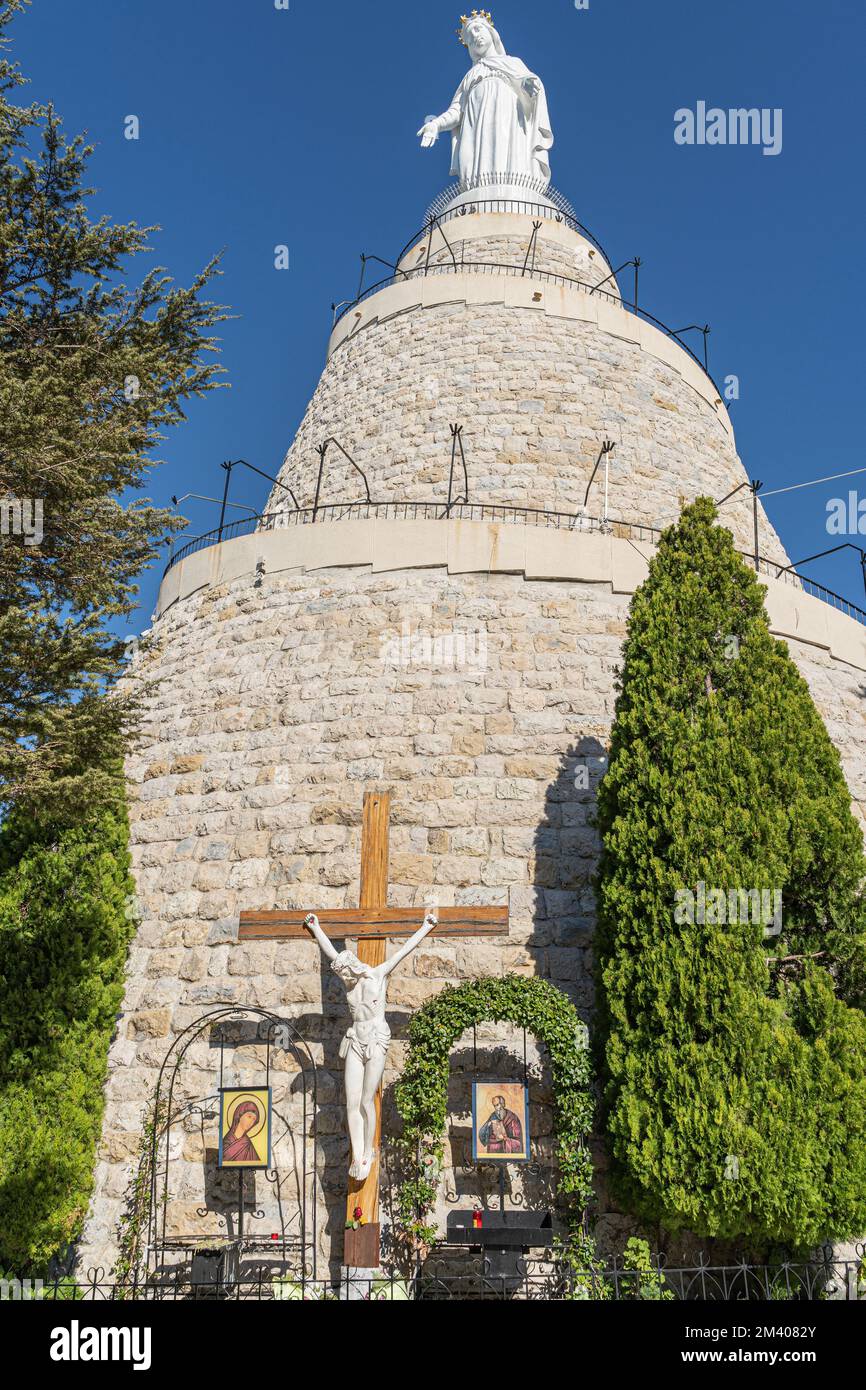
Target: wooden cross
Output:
[(372, 923)]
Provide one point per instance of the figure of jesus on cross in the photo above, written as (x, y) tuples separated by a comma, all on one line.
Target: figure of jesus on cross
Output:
[(365, 974), (365, 1046)]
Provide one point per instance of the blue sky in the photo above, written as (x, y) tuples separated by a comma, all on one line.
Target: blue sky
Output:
[(261, 126)]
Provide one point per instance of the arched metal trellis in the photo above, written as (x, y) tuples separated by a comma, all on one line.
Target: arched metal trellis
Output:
[(294, 1244), (493, 1180)]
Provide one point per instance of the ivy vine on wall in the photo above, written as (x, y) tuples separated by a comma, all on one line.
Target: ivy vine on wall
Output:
[(422, 1092)]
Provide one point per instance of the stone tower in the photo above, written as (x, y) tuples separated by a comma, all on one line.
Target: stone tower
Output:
[(462, 658)]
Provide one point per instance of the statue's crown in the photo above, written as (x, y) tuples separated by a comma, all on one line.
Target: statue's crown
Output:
[(476, 14)]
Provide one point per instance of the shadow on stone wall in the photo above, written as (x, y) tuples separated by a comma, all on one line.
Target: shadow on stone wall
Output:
[(567, 848), (565, 853)]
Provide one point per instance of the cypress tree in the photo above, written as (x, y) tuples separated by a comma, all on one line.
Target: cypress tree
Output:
[(733, 1049)]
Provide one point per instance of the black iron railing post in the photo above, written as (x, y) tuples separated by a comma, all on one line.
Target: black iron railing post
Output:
[(242, 463), (321, 451), (465, 469), (447, 243), (607, 448), (613, 275), (457, 443), (453, 429), (530, 250), (228, 471), (753, 488), (756, 486), (847, 545)]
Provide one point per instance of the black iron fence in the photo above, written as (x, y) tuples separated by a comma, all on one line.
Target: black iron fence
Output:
[(424, 510), (400, 273), (822, 1279), (432, 510), (529, 272), (491, 197)]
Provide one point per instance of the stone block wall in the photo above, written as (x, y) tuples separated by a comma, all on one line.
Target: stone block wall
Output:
[(275, 704), (536, 389), (277, 699), (558, 251)]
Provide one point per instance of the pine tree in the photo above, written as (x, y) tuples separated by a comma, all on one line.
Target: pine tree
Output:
[(91, 375), (734, 1049)]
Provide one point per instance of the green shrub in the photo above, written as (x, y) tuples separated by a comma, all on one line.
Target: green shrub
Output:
[(65, 922), (733, 1059), (644, 1281), (422, 1091)]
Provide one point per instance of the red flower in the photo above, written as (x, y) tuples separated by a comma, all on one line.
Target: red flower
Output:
[(357, 1214)]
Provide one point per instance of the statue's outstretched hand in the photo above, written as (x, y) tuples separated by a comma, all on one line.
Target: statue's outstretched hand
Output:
[(429, 133), (311, 922), (532, 85)]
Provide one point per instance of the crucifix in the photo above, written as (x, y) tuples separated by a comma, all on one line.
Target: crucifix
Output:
[(371, 924)]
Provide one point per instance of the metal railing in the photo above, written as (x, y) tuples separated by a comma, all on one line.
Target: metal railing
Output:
[(549, 277), (429, 509), (550, 1280), (434, 510), (400, 274), (563, 214), (473, 267), (554, 203)]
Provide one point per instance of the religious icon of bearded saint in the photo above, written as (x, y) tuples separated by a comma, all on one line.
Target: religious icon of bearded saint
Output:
[(237, 1147), (502, 1133)]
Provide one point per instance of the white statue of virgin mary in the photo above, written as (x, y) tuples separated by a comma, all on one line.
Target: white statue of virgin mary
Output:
[(498, 117)]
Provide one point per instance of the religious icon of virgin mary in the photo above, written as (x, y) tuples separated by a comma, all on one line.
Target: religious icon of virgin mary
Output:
[(244, 1116)]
